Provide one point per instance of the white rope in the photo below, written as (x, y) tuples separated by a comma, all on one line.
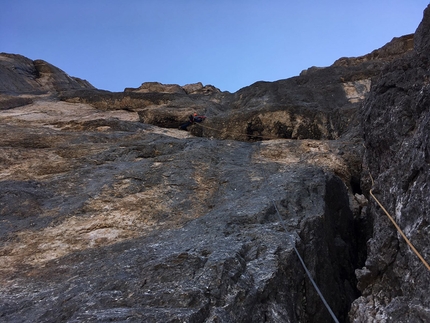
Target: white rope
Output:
[(304, 266), (301, 259), (291, 240)]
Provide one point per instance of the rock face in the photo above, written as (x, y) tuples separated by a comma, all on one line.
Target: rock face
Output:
[(20, 75), (150, 87), (396, 119), (321, 103), (21, 79), (110, 219), (110, 213), (163, 225)]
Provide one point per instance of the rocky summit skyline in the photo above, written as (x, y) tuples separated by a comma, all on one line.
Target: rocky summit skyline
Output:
[(109, 212)]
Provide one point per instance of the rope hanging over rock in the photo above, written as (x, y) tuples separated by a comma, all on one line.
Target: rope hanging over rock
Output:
[(301, 259), (397, 226)]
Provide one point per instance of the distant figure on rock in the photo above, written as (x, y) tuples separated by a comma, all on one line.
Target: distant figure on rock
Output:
[(193, 118)]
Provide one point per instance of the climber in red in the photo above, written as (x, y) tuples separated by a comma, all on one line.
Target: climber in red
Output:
[(193, 118)]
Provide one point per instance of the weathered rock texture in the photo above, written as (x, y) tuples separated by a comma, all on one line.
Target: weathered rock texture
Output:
[(195, 88), (396, 119), (321, 103), (109, 219), (110, 213), (20, 75)]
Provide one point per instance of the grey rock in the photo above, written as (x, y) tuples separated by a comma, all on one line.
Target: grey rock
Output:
[(396, 120), (125, 225), (149, 87), (20, 75), (321, 103), (108, 212)]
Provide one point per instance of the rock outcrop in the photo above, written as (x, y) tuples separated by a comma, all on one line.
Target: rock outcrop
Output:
[(321, 103), (395, 49), (22, 79), (396, 119), (108, 212), (195, 88), (105, 218), (20, 75)]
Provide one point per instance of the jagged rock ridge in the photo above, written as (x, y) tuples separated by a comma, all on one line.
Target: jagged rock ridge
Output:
[(321, 103), (109, 213)]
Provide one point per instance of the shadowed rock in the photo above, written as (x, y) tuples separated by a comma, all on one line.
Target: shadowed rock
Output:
[(395, 120), (321, 103), (108, 212), (20, 75)]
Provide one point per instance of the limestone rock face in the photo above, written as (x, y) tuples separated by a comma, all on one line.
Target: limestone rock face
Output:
[(148, 87), (156, 87), (108, 212), (321, 103), (389, 52), (396, 119), (20, 75), (105, 218)]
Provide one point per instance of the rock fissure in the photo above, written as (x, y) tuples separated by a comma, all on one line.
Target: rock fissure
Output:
[(108, 212)]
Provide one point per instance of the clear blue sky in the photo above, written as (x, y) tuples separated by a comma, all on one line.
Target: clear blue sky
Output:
[(227, 43)]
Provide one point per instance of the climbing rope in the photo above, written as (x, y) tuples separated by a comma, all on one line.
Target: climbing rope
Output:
[(284, 226), (301, 259), (306, 268), (397, 227)]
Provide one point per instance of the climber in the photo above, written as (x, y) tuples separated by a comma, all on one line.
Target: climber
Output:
[(193, 118)]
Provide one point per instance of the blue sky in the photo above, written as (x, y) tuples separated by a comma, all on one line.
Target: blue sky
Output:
[(225, 43)]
